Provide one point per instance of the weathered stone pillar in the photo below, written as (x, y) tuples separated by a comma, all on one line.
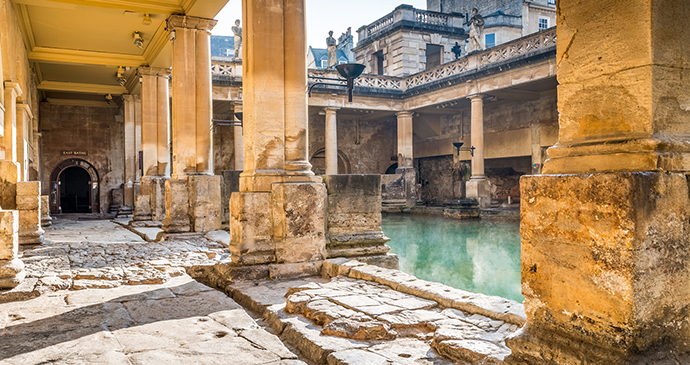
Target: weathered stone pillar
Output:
[(9, 168), (29, 207), (605, 235), (192, 134), (478, 186), (130, 156), (155, 137), (331, 141), (406, 157), (24, 117), (277, 181), (238, 140), (11, 267)]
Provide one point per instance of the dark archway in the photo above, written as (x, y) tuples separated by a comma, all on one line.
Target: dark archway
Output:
[(74, 188), (391, 169), (318, 163)]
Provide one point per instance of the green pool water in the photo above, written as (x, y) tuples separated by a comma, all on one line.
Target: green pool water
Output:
[(475, 255)]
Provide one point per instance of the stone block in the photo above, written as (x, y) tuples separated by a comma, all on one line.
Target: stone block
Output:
[(480, 190), (26, 202), (251, 229), (157, 192), (177, 218), (204, 203), (604, 261), (29, 188), (299, 221), (9, 228)]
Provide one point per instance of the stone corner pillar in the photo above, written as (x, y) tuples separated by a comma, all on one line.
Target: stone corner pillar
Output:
[(406, 156), (12, 271), (46, 219), (478, 186), (604, 231), (10, 169), (29, 207)]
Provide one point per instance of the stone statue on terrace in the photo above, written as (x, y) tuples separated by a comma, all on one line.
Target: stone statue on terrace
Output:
[(476, 23), (238, 39), (332, 46)]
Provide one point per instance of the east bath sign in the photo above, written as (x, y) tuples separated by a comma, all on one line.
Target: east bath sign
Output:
[(75, 153)]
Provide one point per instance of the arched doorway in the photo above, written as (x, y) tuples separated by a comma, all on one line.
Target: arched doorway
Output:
[(391, 169), (318, 163), (74, 188)]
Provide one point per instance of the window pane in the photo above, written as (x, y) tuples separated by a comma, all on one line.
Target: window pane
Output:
[(490, 40)]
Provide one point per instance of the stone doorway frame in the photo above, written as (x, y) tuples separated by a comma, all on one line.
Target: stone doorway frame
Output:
[(54, 197)]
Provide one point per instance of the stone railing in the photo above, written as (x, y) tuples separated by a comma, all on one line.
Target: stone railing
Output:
[(222, 67), (411, 15), (472, 62), (519, 46)]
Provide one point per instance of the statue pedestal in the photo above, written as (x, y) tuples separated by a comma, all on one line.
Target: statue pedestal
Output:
[(480, 190)]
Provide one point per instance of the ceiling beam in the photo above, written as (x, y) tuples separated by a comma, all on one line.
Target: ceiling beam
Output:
[(61, 55), (144, 6), (82, 88), (159, 40)]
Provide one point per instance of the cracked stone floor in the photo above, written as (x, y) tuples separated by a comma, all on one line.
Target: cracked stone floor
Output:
[(101, 295)]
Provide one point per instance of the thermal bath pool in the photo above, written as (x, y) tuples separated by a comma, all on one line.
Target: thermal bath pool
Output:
[(474, 255)]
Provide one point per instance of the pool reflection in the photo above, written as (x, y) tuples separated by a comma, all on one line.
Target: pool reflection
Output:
[(474, 255)]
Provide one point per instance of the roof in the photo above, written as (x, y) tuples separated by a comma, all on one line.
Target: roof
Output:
[(322, 53), (220, 43)]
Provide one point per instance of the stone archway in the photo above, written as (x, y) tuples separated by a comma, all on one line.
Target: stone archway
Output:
[(318, 163), (72, 169)]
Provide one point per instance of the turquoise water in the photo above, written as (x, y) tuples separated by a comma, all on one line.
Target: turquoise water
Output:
[(474, 255)]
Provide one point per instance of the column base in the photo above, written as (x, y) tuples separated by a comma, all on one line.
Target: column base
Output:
[(480, 190), (177, 218), (142, 209), (46, 219), (262, 181), (285, 225), (204, 203), (604, 268), (29, 207), (11, 268), (410, 177)]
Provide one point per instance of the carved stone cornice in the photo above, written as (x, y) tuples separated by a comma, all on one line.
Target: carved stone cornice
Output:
[(190, 22)]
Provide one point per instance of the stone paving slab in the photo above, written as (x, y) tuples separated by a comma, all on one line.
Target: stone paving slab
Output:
[(100, 254), (181, 322)]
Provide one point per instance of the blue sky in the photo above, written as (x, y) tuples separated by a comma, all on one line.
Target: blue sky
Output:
[(325, 15)]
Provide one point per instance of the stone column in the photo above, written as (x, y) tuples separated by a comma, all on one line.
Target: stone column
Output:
[(406, 156), (9, 168), (11, 267), (191, 130), (46, 219), (277, 180), (238, 140), (24, 117), (331, 141), (29, 207), (155, 137), (478, 186), (130, 156), (605, 230)]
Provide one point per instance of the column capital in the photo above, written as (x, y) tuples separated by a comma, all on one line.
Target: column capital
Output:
[(476, 97), (154, 71), (331, 109), (14, 87), (404, 114), (23, 107), (128, 97), (190, 22)]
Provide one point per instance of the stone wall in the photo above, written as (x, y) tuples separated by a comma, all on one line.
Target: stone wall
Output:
[(511, 7), (372, 155), (97, 131), (404, 52), (223, 146)]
